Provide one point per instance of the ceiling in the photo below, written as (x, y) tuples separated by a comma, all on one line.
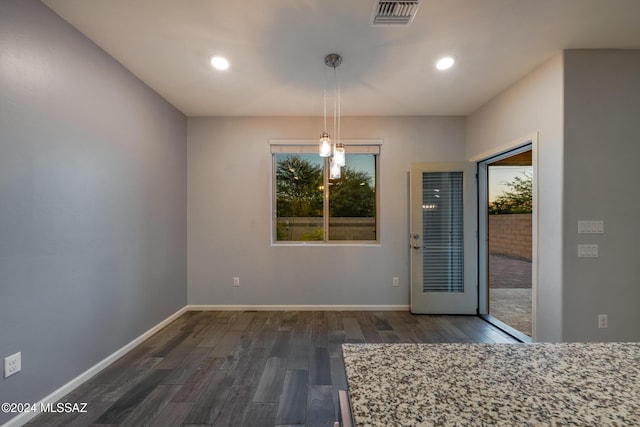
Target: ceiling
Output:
[(277, 47)]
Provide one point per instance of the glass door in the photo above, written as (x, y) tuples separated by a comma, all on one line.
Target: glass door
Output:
[(506, 240), (443, 238)]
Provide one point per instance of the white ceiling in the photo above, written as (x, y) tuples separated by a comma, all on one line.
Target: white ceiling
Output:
[(277, 49)]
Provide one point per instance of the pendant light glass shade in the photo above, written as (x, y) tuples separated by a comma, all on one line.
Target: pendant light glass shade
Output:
[(339, 154), (334, 170), (325, 145)]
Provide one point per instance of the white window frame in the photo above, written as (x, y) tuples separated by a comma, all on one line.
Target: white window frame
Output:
[(302, 146)]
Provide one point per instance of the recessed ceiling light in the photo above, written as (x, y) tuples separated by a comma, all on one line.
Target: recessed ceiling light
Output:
[(219, 63), (445, 63)]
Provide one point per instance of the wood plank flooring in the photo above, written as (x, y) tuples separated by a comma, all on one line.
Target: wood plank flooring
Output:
[(242, 368)]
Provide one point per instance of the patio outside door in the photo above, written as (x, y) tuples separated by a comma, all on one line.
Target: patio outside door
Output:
[(443, 238)]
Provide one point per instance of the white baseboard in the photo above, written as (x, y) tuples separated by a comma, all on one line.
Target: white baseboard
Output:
[(24, 417), (196, 307)]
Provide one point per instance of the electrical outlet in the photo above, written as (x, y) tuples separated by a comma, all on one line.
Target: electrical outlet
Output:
[(236, 282), (603, 321), (12, 364), (396, 282)]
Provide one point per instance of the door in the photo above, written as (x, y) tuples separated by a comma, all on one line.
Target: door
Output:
[(443, 238), (506, 249)]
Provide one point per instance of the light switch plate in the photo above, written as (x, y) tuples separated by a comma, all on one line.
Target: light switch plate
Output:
[(588, 251), (590, 227)]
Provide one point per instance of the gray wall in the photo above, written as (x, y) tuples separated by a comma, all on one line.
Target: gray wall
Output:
[(92, 202), (533, 105), (585, 106), (229, 213), (602, 148)]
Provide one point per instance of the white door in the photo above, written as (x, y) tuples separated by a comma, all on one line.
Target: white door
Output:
[(443, 238)]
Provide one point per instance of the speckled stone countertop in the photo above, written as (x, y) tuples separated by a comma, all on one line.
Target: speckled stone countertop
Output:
[(540, 384)]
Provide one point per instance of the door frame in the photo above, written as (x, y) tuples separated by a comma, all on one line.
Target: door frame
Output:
[(483, 222)]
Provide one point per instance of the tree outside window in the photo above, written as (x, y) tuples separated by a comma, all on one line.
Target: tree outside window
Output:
[(518, 199), (301, 189)]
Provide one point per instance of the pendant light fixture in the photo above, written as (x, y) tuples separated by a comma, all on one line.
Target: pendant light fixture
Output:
[(325, 139), (325, 145), (339, 154), (338, 160), (334, 169)]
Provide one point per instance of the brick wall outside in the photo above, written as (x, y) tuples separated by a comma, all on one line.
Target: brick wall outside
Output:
[(510, 235)]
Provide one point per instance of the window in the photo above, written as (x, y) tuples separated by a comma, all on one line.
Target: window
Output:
[(310, 207), (443, 232)]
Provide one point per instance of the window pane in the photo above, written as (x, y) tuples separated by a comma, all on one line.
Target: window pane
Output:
[(442, 230), (299, 197), (352, 200)]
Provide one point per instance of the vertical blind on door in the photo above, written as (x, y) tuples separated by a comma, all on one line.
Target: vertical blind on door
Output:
[(442, 231)]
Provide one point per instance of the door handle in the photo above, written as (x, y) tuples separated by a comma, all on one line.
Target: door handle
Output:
[(416, 246)]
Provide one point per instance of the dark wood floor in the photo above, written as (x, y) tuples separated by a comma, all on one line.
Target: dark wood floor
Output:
[(233, 368)]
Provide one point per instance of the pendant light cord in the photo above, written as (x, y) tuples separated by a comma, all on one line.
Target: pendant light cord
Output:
[(325, 99), (338, 136), (335, 104)]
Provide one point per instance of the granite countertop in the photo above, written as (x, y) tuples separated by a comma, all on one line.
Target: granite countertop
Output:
[(540, 384)]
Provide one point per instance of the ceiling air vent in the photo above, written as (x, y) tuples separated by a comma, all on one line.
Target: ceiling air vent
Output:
[(394, 12)]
